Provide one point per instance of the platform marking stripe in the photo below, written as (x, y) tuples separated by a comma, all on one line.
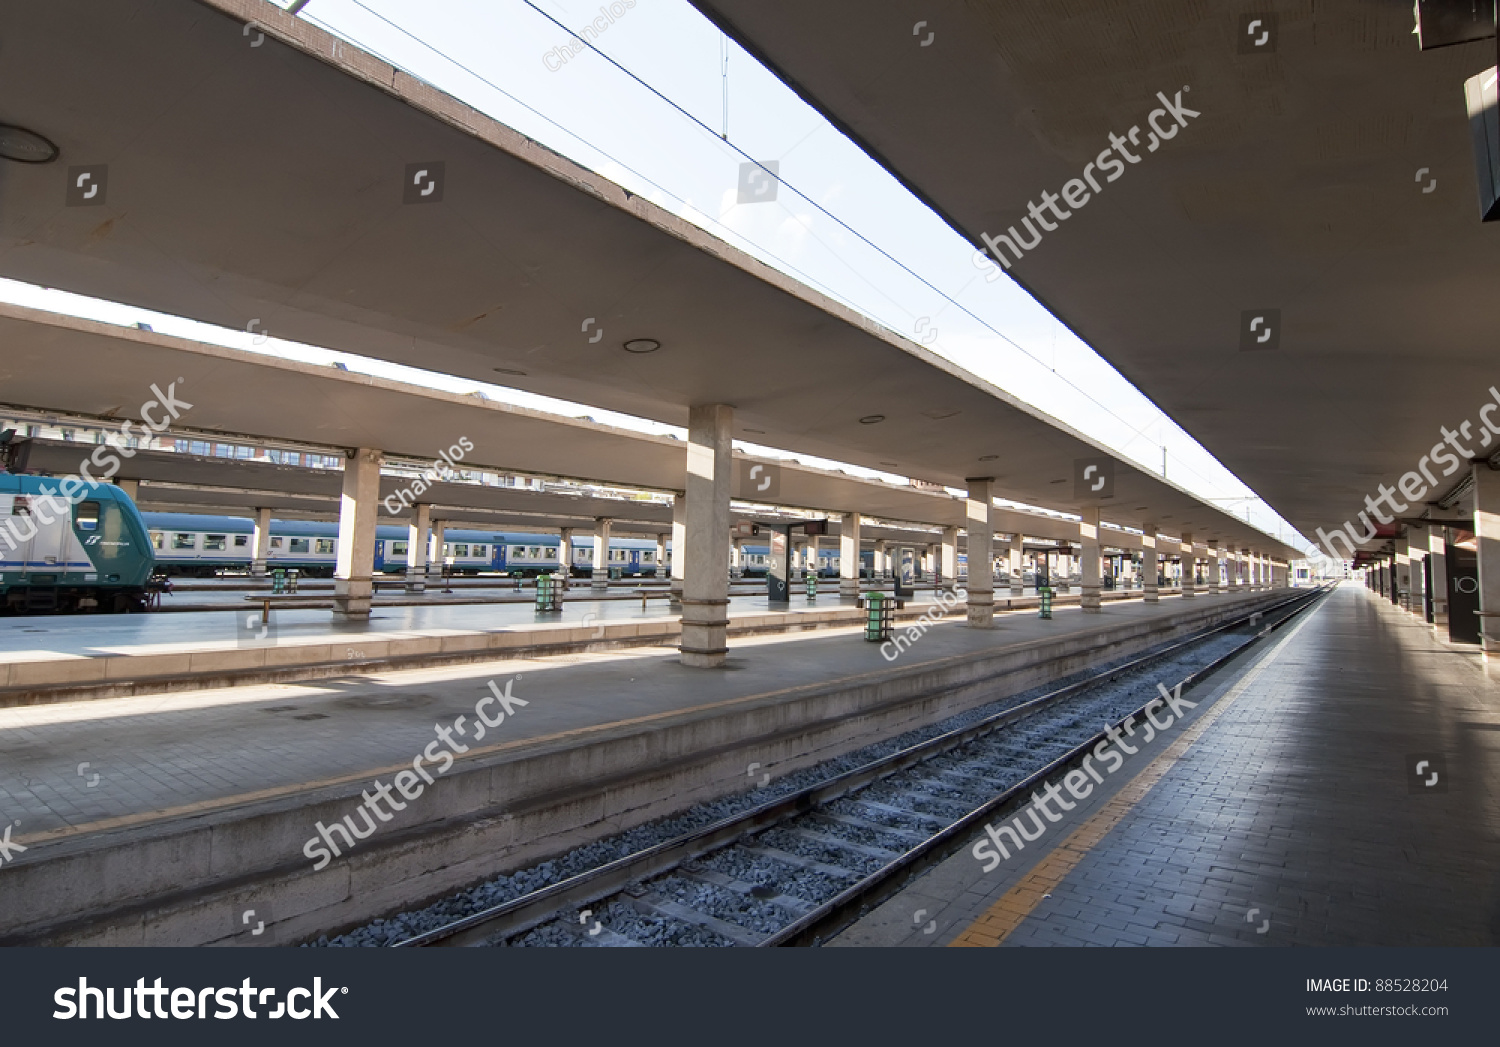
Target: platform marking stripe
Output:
[(1016, 904)]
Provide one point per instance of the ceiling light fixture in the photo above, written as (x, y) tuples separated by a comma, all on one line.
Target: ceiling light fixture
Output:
[(509, 370), (642, 345), (23, 146), (988, 457), (871, 419)]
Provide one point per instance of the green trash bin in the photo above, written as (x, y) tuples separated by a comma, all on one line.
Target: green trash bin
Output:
[(812, 585), (278, 581), (616, 573), (880, 610), (548, 593), (1045, 595)]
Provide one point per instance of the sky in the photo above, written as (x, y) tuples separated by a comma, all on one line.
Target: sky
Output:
[(667, 107)]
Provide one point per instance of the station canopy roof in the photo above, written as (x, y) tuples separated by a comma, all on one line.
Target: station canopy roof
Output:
[(266, 185), (1325, 182)]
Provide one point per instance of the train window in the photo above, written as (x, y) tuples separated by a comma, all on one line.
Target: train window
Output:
[(241, 541), (325, 546), (214, 542), (461, 549), (158, 540), (181, 540), (21, 506), (399, 548), (298, 545), (277, 543), (86, 516), (479, 550)]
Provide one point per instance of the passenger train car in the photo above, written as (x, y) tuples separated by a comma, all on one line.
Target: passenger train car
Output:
[(95, 555), (191, 544)]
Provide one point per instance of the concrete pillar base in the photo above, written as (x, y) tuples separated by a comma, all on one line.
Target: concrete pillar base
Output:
[(1091, 601), (258, 568), (981, 610), (351, 598), (599, 580), (415, 582)]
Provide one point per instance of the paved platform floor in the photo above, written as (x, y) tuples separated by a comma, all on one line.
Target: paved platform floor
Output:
[(1287, 812), (82, 766), (94, 635), (44, 637)]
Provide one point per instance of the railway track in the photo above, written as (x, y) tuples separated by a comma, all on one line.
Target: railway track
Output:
[(799, 868)]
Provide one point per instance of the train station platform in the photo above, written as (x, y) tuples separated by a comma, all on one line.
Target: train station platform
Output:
[(1337, 789), (58, 658), (144, 817)]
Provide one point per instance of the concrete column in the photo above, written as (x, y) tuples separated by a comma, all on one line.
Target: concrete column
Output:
[(1088, 533), (358, 506), (1189, 564), (600, 577), (1437, 551), (435, 554), (881, 562), (980, 512), (1487, 537), (949, 567), (661, 555), (849, 556), (1403, 569), (1417, 551), (736, 558), (565, 555), (1013, 547), (260, 543), (1216, 567), (1150, 591), (418, 532), (705, 588), (679, 544)]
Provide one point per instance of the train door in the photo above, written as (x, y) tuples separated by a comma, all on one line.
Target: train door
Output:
[(1463, 595), (380, 554)]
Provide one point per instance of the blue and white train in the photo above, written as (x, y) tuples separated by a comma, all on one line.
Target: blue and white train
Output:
[(87, 552), (192, 544)]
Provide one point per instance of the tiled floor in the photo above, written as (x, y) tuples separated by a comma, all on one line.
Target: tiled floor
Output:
[(1295, 818)]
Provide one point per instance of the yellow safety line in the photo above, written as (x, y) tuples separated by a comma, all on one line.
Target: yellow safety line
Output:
[(1003, 917)]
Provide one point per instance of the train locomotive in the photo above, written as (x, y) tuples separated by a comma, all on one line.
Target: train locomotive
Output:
[(88, 553)]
